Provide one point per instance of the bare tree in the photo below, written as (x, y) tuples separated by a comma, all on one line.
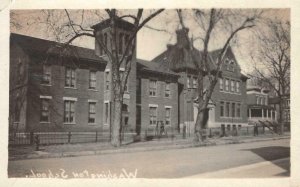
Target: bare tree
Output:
[(210, 21), (272, 62), (76, 27)]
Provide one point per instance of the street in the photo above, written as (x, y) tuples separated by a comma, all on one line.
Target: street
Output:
[(177, 163)]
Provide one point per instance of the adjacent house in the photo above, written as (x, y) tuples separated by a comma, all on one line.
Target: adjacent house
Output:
[(228, 105)]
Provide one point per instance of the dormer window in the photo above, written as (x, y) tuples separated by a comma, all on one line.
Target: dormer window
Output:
[(232, 64), (226, 64)]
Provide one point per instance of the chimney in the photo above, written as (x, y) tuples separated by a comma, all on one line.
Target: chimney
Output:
[(182, 36)]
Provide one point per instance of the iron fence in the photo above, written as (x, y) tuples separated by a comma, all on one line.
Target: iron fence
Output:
[(47, 138)]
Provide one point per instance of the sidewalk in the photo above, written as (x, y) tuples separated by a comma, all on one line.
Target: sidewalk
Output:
[(71, 150)]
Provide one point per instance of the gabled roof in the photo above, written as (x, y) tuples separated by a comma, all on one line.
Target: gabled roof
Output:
[(150, 66), (179, 57), (36, 45)]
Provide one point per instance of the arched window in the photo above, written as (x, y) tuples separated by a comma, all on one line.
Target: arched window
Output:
[(226, 64), (232, 64)]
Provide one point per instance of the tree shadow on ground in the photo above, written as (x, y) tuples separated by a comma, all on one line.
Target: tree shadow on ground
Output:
[(268, 154)]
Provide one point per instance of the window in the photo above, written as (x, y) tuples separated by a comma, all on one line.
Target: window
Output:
[(233, 110), (238, 110), (153, 115), (188, 82), (106, 114), (237, 88), (226, 64), (195, 84), (167, 90), (70, 78), (227, 109), (262, 101), (69, 111), (44, 110), (221, 83), (152, 88), (232, 65), (257, 100), (46, 79), (92, 112), (226, 84), (92, 80), (232, 85), (168, 116), (107, 80), (222, 108)]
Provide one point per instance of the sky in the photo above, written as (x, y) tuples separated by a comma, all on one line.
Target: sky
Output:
[(150, 42)]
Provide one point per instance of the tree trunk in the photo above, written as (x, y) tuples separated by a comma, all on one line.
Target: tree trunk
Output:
[(116, 125), (201, 121)]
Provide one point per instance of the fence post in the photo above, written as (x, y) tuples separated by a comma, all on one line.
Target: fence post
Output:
[(69, 137), (96, 136), (31, 138)]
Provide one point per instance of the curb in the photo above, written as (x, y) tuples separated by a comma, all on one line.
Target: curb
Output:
[(138, 149)]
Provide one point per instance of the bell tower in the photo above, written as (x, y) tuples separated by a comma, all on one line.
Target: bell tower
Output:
[(103, 32)]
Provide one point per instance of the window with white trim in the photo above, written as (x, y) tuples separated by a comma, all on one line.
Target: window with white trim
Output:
[(195, 84), (238, 110), (167, 90), (107, 81), (153, 115), (237, 87), (92, 80), (232, 86), (168, 116), (152, 87), (70, 80), (45, 113), (227, 110), (226, 85), (221, 83), (69, 111), (92, 112), (222, 107), (188, 82), (233, 110), (46, 78)]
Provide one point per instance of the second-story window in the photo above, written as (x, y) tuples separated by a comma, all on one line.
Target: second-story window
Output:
[(168, 116), (107, 80), (46, 79), (167, 89), (238, 110), (221, 83), (226, 85), (232, 85), (70, 78), (237, 87), (152, 88), (92, 80)]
